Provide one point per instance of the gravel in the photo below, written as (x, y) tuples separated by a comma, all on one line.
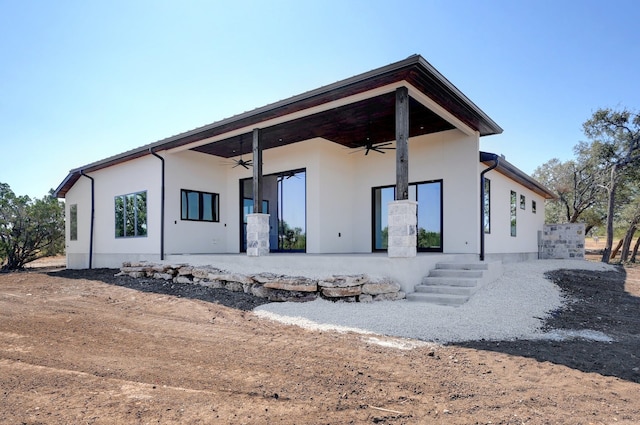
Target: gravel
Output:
[(512, 307)]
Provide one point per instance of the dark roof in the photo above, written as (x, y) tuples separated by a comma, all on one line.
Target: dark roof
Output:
[(349, 125), (514, 173)]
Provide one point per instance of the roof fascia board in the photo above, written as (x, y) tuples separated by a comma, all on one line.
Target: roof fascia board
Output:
[(440, 111), (449, 85), (511, 171)]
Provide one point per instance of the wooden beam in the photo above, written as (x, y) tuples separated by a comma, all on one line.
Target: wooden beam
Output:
[(257, 170), (402, 143)]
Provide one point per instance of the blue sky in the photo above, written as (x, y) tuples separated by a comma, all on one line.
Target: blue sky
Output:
[(84, 80)]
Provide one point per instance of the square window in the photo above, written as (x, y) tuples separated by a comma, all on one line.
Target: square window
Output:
[(199, 206)]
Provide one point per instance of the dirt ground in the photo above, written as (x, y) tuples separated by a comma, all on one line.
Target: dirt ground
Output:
[(89, 348)]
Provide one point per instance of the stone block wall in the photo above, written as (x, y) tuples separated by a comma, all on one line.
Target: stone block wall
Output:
[(350, 288), (562, 241)]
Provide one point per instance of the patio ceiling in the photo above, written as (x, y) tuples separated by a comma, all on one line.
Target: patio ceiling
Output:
[(354, 125)]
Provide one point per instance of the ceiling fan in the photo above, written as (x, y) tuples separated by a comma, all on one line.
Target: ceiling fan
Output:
[(380, 147), (241, 162), (376, 147)]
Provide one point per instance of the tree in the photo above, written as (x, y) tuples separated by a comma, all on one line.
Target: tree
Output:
[(616, 147), (29, 229), (576, 185), (291, 238)]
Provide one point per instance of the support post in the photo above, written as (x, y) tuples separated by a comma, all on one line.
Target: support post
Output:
[(257, 223), (402, 143), (257, 171), (403, 218)]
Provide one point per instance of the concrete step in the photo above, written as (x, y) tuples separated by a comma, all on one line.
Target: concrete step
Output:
[(463, 266), (449, 281), (453, 284), (455, 273), (439, 299), (445, 289)]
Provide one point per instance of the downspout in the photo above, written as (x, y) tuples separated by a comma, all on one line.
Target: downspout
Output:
[(161, 205), (92, 218), (496, 160)]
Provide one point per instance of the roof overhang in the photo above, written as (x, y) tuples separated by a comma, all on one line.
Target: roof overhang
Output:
[(514, 173), (349, 112)]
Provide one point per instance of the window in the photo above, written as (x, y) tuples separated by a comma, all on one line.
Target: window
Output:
[(514, 209), (429, 220), (487, 205), (523, 202), (199, 206), (131, 215), (533, 206), (73, 222)]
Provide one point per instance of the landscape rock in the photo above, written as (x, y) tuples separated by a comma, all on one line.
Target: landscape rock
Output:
[(343, 281), (350, 291), (181, 279), (393, 296), (230, 277), (184, 271), (384, 287), (301, 284), (234, 286)]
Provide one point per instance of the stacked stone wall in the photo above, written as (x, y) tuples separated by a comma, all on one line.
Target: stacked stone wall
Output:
[(274, 287), (562, 241)]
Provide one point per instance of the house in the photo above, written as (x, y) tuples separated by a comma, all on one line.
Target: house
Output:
[(383, 162)]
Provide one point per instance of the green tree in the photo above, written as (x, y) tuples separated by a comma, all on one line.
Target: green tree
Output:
[(29, 229), (615, 147), (291, 238), (577, 186)]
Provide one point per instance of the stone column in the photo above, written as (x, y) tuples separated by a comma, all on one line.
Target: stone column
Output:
[(402, 222), (257, 235)]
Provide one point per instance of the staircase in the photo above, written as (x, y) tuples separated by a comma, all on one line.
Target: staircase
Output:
[(452, 284)]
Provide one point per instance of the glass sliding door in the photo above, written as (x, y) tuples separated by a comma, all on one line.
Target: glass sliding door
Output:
[(284, 198), (292, 220), (381, 198), (428, 195)]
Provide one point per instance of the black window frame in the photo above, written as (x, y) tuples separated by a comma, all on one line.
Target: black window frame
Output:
[(523, 201), (138, 217), (215, 206), (486, 204), (534, 206), (419, 249), (513, 215), (73, 222)]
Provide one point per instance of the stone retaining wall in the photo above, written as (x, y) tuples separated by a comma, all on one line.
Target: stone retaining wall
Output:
[(351, 288), (562, 241)]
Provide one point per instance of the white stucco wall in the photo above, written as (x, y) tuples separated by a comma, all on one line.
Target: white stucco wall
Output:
[(205, 173), (338, 195), (500, 241), (138, 175)]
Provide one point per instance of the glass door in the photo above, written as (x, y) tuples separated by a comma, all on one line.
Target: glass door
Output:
[(428, 195), (284, 198)]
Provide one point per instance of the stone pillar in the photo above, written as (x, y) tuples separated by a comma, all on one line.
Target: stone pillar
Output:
[(257, 235), (403, 223)]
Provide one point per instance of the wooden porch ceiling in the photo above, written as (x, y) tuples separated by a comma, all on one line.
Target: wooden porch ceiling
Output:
[(351, 126)]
